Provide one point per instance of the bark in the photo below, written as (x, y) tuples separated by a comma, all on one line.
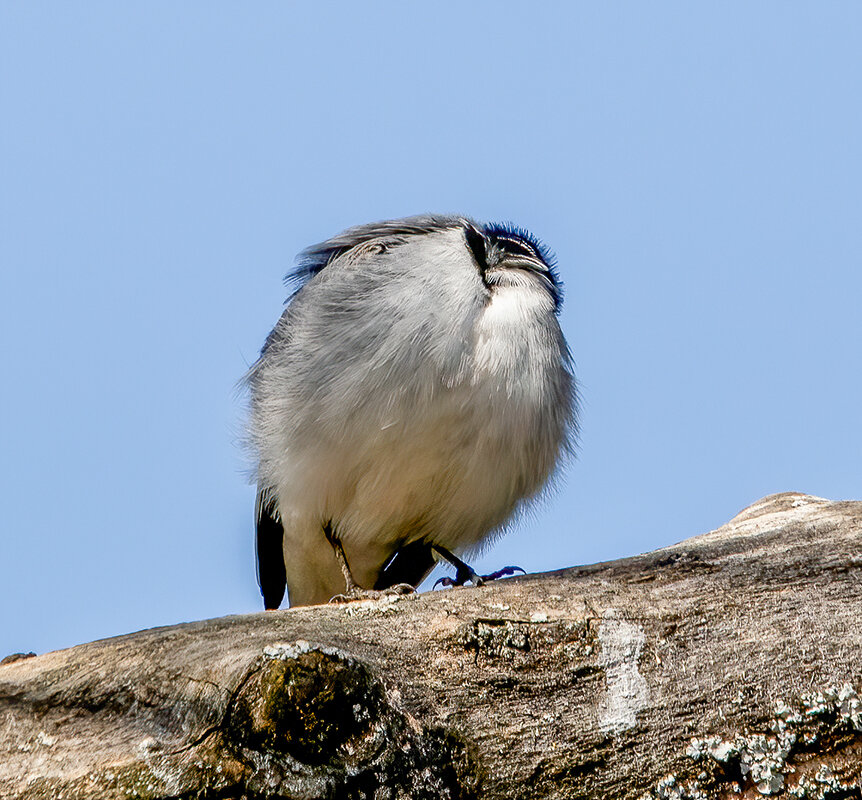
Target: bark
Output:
[(724, 666)]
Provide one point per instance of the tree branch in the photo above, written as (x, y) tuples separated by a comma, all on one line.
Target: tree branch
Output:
[(724, 666)]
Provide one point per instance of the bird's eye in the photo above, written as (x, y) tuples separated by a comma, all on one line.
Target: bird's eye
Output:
[(516, 247), (519, 243), (476, 243)]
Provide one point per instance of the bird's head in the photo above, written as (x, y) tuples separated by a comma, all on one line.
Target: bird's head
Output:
[(506, 255), (503, 254)]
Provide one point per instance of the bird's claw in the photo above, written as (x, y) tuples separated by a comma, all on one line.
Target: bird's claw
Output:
[(358, 593), (504, 572), (464, 576)]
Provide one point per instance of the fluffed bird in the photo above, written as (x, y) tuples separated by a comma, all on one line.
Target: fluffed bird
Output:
[(416, 392)]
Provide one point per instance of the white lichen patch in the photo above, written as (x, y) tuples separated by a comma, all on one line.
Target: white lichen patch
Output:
[(850, 706), (763, 759), (824, 785), (621, 644), (844, 702), (670, 788), (385, 604), (287, 651)]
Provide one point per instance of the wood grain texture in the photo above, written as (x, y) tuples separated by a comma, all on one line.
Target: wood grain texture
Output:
[(724, 666)]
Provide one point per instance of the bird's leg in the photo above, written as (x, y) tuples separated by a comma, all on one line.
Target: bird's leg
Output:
[(464, 572), (351, 584), (353, 591)]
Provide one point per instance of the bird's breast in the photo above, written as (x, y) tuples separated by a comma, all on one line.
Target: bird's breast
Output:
[(518, 344)]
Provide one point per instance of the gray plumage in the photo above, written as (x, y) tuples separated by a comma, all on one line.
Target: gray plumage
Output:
[(417, 390)]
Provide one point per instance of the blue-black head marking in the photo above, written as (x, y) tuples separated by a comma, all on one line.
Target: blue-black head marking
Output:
[(519, 242)]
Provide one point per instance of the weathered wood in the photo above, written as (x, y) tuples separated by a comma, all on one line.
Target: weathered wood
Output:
[(724, 666)]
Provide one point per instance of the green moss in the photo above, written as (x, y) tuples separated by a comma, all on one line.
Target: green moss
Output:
[(309, 707), (315, 717)]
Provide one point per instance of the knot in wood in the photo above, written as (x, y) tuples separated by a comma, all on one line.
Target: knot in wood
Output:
[(314, 704)]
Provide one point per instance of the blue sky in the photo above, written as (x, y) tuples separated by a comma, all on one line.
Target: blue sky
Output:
[(695, 167)]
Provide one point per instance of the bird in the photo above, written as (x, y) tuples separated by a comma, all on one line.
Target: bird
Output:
[(415, 395)]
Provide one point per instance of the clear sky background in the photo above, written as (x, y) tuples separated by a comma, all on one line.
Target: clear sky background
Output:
[(697, 168)]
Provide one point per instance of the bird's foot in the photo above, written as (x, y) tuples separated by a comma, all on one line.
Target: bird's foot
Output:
[(462, 577), (464, 573), (353, 591), (358, 593)]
